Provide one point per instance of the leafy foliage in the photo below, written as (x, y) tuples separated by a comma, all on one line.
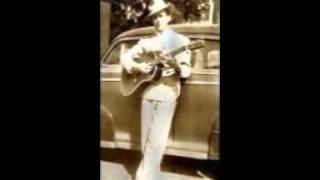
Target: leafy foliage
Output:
[(130, 14)]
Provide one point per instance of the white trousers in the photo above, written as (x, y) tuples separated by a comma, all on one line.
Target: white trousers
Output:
[(156, 119)]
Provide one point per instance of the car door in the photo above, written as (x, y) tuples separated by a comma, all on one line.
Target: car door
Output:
[(124, 110), (198, 107)]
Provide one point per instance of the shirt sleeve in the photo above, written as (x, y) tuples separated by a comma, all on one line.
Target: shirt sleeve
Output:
[(184, 60), (126, 59)]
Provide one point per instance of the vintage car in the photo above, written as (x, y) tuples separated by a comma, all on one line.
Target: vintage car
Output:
[(195, 127)]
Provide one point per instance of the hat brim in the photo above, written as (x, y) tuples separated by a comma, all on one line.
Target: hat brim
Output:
[(158, 10)]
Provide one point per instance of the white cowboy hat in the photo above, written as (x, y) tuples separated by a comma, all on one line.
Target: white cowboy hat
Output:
[(157, 6)]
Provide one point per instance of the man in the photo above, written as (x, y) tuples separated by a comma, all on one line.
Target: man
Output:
[(159, 98)]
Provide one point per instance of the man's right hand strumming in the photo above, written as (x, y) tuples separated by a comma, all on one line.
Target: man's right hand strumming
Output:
[(144, 67)]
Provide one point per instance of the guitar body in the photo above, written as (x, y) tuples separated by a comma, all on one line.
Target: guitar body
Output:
[(131, 82)]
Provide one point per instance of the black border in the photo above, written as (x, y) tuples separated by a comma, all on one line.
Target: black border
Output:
[(53, 90), (52, 106)]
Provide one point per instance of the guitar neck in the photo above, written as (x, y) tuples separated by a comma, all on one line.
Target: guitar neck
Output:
[(177, 51), (174, 52), (192, 46)]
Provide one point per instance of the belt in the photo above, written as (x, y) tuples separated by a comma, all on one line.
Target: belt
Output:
[(170, 80)]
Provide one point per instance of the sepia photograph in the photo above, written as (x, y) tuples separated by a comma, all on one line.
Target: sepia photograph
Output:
[(159, 89)]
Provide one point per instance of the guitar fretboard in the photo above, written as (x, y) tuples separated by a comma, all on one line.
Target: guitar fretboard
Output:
[(191, 46)]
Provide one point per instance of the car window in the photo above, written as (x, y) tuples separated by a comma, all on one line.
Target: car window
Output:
[(207, 57), (113, 57)]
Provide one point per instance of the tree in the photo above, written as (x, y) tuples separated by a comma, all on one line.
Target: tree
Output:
[(130, 14)]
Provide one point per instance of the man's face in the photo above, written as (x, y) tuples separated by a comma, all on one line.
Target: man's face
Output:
[(161, 20)]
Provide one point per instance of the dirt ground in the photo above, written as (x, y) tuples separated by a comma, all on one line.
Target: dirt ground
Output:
[(118, 164)]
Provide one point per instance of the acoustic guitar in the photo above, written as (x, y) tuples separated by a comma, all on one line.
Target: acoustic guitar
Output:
[(130, 82)]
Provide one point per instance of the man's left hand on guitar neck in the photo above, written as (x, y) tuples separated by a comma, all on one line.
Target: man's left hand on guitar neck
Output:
[(171, 61)]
